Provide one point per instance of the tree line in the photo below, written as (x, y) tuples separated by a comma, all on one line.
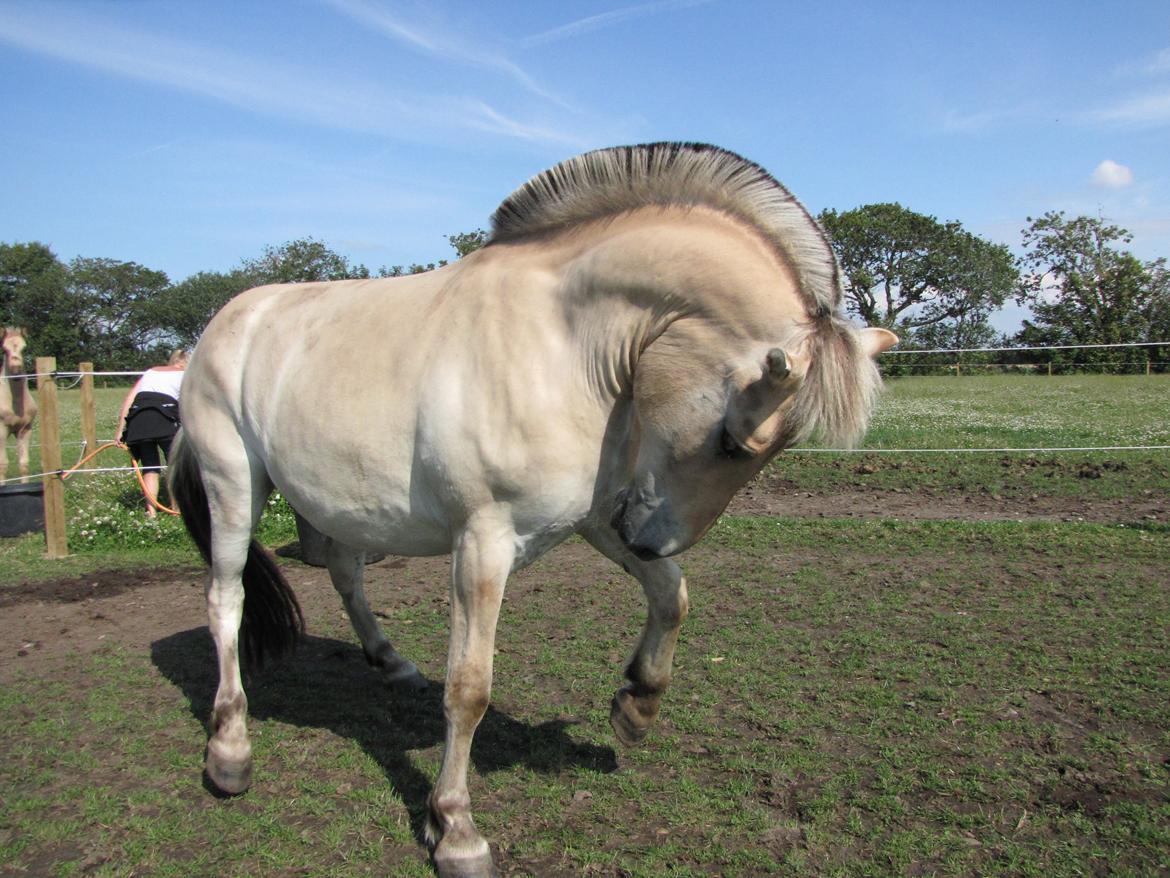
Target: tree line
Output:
[(934, 283)]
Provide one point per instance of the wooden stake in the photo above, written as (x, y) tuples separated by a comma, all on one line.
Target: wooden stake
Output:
[(55, 542)]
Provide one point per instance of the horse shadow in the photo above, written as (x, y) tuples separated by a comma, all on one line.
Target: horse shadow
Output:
[(327, 684)]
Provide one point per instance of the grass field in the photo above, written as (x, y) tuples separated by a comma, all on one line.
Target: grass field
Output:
[(852, 698)]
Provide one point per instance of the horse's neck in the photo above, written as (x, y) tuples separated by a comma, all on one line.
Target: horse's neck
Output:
[(630, 281)]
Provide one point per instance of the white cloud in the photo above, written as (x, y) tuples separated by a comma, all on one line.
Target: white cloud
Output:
[(439, 44), (1147, 111), (605, 19), (1159, 64), (1111, 175), (1149, 65), (254, 84)]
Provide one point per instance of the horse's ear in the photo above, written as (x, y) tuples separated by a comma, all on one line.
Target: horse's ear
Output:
[(754, 418), (874, 340)]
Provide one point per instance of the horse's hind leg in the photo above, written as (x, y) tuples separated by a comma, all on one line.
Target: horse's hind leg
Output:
[(346, 568), (236, 496), (635, 705)]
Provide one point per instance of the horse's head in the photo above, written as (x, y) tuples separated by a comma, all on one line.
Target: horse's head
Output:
[(14, 344), (709, 414)]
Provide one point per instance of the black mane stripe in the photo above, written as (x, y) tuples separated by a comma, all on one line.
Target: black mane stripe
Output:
[(609, 181)]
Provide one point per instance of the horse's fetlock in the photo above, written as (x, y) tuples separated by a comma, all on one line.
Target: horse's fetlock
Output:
[(448, 807), (227, 713)]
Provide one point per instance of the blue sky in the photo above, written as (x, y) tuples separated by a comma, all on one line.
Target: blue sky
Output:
[(187, 136)]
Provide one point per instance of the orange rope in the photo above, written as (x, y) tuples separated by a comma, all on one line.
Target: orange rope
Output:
[(88, 457), (150, 498)]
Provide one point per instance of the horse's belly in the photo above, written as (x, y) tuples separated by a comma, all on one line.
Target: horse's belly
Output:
[(387, 532)]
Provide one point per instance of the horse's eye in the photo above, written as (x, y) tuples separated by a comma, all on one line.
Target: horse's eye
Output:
[(730, 447)]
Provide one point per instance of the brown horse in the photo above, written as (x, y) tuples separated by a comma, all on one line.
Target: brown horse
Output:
[(646, 328), (18, 408)]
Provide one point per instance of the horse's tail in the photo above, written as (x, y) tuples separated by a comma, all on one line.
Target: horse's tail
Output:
[(273, 622)]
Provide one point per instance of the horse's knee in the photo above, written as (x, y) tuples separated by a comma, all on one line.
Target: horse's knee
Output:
[(465, 702)]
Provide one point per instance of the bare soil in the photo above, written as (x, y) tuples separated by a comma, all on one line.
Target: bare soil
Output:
[(771, 494)]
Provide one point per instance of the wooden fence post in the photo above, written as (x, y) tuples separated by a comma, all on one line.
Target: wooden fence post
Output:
[(88, 411), (55, 542)]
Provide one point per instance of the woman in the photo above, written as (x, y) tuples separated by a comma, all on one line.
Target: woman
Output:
[(150, 419)]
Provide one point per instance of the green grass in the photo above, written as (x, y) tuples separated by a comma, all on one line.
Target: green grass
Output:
[(1005, 411), (851, 699), (1016, 411)]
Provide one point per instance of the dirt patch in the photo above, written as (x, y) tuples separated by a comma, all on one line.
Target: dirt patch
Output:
[(773, 495)]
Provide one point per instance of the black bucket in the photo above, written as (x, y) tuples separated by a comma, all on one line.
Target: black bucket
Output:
[(22, 508)]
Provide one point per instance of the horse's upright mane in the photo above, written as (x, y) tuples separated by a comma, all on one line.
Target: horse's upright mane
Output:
[(610, 181)]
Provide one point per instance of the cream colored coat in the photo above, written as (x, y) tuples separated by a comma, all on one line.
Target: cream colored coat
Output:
[(620, 377)]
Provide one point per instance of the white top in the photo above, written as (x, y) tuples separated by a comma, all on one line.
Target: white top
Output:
[(166, 381)]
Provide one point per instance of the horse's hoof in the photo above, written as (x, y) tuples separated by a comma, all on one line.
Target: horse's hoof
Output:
[(466, 867), (397, 671), (231, 776), (408, 678), (629, 733)]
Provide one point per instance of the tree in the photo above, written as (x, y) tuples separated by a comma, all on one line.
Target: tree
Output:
[(1159, 310), (304, 259), (467, 242), (112, 298), (182, 311), (413, 268), (462, 242), (34, 293), (908, 271), (1084, 288)]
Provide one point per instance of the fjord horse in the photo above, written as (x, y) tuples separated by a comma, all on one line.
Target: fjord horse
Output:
[(645, 328), (18, 407)]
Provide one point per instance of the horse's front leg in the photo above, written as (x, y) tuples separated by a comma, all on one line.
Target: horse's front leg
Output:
[(346, 570), (22, 443), (481, 562), (635, 705)]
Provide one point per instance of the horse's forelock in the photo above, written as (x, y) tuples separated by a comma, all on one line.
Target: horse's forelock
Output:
[(838, 394)]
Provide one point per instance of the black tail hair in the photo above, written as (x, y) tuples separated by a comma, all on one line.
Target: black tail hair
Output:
[(273, 621)]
